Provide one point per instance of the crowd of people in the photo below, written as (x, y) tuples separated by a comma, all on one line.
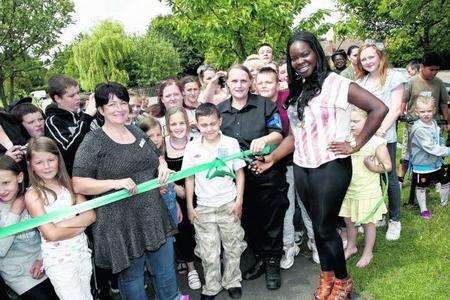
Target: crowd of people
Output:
[(336, 131)]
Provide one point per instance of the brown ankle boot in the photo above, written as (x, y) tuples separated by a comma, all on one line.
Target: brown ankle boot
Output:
[(342, 289), (325, 285)]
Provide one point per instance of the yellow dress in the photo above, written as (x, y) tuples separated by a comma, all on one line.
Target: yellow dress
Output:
[(364, 190)]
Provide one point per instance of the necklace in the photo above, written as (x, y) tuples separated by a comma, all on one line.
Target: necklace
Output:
[(180, 147)]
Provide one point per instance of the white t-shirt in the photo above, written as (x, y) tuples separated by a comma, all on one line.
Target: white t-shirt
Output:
[(216, 191), (393, 80), (326, 119)]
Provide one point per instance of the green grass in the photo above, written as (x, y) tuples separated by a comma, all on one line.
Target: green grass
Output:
[(417, 266)]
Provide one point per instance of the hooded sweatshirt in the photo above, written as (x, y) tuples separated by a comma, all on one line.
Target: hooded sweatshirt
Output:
[(67, 129), (427, 148)]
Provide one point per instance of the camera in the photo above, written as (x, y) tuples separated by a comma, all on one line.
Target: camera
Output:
[(221, 81), (23, 149)]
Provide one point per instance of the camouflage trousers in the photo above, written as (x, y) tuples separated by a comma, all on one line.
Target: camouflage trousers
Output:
[(215, 226)]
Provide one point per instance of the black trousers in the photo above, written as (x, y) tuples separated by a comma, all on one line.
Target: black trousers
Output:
[(185, 238), (264, 207), (42, 291), (322, 190)]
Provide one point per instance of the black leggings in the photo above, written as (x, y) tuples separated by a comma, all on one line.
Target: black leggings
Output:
[(322, 190), (42, 291)]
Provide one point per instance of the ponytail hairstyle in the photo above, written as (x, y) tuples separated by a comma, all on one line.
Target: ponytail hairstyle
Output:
[(301, 92), (8, 164), (45, 144)]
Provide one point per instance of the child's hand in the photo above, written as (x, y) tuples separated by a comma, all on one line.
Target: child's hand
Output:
[(179, 213), (192, 215), (163, 190), (236, 210), (36, 269), (18, 206)]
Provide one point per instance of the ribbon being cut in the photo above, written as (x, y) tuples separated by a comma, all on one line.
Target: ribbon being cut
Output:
[(216, 168)]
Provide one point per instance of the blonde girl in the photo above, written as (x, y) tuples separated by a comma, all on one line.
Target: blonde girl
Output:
[(178, 136), (364, 191), (65, 252)]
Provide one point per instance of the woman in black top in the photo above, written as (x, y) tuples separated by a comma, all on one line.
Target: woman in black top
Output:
[(254, 121)]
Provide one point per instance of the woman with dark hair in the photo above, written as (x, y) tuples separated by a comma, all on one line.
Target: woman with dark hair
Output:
[(169, 95), (319, 113), (213, 85), (339, 59), (255, 122), (352, 54), (190, 88), (136, 232)]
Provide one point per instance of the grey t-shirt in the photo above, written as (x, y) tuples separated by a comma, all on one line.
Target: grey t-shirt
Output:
[(124, 229)]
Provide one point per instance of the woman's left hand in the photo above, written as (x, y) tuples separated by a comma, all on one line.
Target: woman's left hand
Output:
[(257, 145), (36, 269), (341, 148)]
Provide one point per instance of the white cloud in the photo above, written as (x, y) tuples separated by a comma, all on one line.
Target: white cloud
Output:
[(135, 15)]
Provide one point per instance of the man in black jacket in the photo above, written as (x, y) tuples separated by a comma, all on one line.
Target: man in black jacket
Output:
[(65, 123)]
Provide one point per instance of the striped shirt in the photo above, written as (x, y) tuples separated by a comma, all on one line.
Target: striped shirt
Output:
[(326, 119)]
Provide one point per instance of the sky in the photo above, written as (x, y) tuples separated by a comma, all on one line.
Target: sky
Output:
[(135, 15)]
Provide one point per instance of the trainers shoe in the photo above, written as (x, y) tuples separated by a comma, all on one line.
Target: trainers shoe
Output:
[(193, 280), (393, 231), (312, 246), (298, 236), (425, 214), (444, 203), (382, 222), (287, 261)]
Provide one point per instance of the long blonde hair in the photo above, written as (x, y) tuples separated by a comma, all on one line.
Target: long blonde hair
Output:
[(45, 144), (382, 67)]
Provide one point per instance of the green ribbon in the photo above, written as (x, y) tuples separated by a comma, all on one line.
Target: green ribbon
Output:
[(216, 165), (380, 201)]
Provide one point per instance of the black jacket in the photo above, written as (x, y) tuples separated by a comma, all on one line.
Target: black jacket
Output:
[(67, 129)]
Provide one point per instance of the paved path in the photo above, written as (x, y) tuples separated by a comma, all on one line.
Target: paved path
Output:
[(298, 283)]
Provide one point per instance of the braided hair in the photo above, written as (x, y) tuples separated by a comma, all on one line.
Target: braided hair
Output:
[(302, 91)]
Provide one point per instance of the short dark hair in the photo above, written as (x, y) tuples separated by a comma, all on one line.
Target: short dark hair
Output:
[(57, 85), (8, 164), (206, 109), (338, 52), (431, 59), (21, 110), (350, 49), (104, 92), (267, 70), (266, 44), (188, 79)]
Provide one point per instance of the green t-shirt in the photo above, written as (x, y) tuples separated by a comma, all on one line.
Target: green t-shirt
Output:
[(420, 87), (349, 72)]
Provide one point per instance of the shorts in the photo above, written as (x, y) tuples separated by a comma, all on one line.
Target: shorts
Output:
[(424, 180)]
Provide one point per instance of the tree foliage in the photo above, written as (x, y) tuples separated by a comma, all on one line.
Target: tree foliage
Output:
[(28, 28), (230, 30), (408, 27), (191, 54), (153, 60), (100, 56)]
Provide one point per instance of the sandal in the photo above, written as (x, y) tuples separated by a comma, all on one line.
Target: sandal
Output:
[(182, 268), (193, 280), (325, 285)]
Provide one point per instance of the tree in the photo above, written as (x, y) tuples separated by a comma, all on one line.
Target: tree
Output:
[(230, 30), (191, 54), (101, 56), (408, 27), (28, 28), (153, 60)]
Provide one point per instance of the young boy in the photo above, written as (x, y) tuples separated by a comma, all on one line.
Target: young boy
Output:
[(219, 205), (65, 124), (31, 118), (426, 153)]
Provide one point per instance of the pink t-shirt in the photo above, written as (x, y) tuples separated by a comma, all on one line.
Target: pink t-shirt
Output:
[(326, 119)]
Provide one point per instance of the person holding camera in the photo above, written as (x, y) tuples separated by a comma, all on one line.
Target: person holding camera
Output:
[(213, 85)]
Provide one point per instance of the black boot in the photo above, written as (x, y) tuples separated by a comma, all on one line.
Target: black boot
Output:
[(256, 270), (273, 276)]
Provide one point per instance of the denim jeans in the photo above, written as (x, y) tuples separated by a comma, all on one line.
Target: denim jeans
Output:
[(288, 230), (161, 264), (393, 188)]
